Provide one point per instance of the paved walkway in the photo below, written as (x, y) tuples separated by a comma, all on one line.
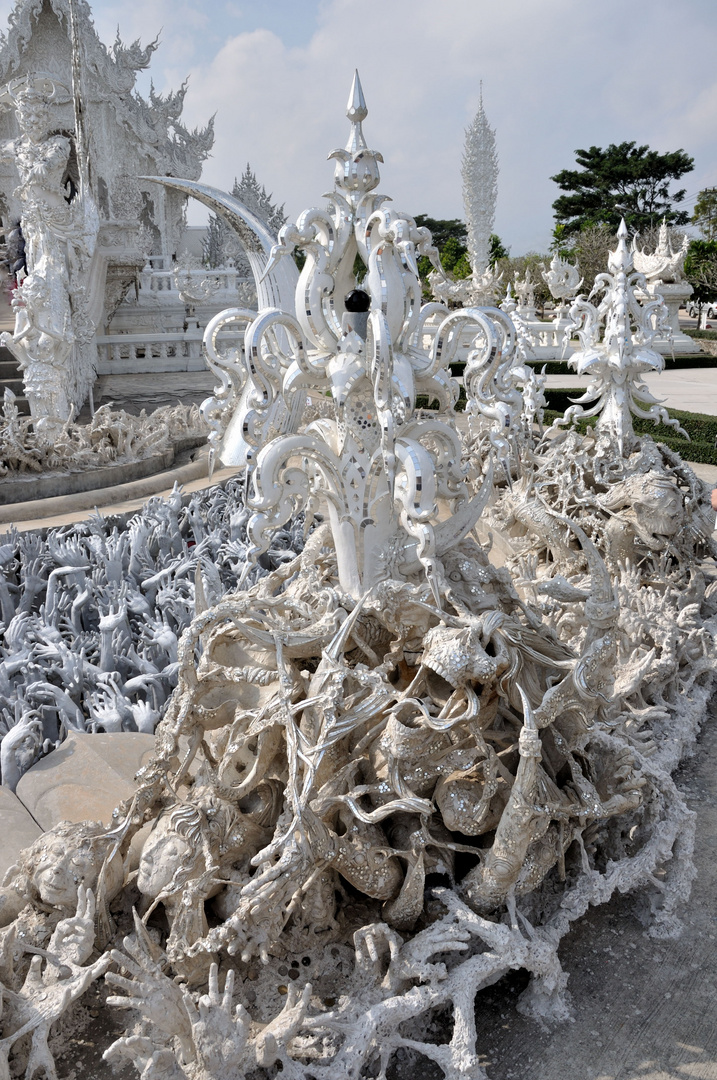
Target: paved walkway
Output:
[(690, 389), (643, 1009)]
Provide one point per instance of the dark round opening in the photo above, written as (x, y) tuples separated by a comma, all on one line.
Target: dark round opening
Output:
[(357, 300)]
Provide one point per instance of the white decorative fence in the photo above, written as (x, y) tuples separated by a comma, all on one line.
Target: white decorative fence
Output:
[(162, 281), (125, 354)]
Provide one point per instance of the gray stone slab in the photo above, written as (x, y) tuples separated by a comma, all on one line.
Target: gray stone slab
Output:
[(22, 488), (18, 829), (85, 778)]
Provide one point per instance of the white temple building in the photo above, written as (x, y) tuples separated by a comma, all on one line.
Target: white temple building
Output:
[(145, 295), (127, 136)]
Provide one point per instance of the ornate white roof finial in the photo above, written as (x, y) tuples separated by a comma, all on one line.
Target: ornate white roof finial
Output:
[(356, 165), (663, 266), (356, 111), (620, 260)]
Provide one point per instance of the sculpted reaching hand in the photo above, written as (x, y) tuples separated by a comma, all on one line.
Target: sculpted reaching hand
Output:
[(155, 996), (47, 994), (219, 1034)]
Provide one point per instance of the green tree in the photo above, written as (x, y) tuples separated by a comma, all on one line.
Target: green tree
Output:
[(498, 250), (627, 181), (705, 213), (701, 269), (454, 258), (443, 229)]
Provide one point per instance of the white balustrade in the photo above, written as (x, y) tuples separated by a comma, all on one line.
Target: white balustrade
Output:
[(156, 280), (155, 351)]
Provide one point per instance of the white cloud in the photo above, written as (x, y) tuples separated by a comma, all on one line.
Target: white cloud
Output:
[(557, 75)]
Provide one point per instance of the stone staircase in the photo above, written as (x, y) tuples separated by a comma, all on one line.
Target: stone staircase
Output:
[(11, 379)]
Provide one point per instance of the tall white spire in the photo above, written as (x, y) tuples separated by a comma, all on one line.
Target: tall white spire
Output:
[(480, 188), (356, 166)]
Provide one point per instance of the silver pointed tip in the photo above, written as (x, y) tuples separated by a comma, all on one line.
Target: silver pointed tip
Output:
[(356, 108), (622, 231)]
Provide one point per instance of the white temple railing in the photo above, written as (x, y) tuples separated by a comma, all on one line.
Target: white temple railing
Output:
[(119, 354), (161, 280)]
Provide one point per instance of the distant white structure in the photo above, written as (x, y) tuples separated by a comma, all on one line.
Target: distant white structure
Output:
[(479, 171), (77, 140), (480, 189), (663, 270)]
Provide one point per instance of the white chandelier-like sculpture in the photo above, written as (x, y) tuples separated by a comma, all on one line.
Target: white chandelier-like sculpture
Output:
[(385, 709), (378, 463), (618, 361)]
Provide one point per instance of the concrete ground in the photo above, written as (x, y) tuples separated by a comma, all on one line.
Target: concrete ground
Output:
[(690, 389)]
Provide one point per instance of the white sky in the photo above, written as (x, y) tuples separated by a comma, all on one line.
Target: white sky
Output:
[(557, 75)]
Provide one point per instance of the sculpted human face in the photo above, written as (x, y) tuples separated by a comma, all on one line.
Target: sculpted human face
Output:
[(666, 513), (60, 871), (33, 119), (161, 855)]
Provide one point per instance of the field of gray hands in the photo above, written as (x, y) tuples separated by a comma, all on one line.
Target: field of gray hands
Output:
[(92, 613)]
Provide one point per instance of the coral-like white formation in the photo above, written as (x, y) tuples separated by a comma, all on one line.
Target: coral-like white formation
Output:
[(392, 770)]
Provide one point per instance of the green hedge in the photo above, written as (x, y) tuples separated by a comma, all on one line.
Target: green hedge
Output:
[(560, 367), (701, 428), (710, 335), (677, 363)]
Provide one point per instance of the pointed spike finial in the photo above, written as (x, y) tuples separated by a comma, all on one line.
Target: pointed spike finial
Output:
[(356, 108), (481, 93), (620, 260), (356, 165)]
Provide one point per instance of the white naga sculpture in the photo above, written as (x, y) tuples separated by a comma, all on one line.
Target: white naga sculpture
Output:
[(663, 270), (391, 771), (563, 279), (52, 334), (479, 171)]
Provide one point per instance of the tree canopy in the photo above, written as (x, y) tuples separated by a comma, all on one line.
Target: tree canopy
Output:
[(498, 250), (705, 213), (450, 237), (624, 180), (443, 229), (701, 269)]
